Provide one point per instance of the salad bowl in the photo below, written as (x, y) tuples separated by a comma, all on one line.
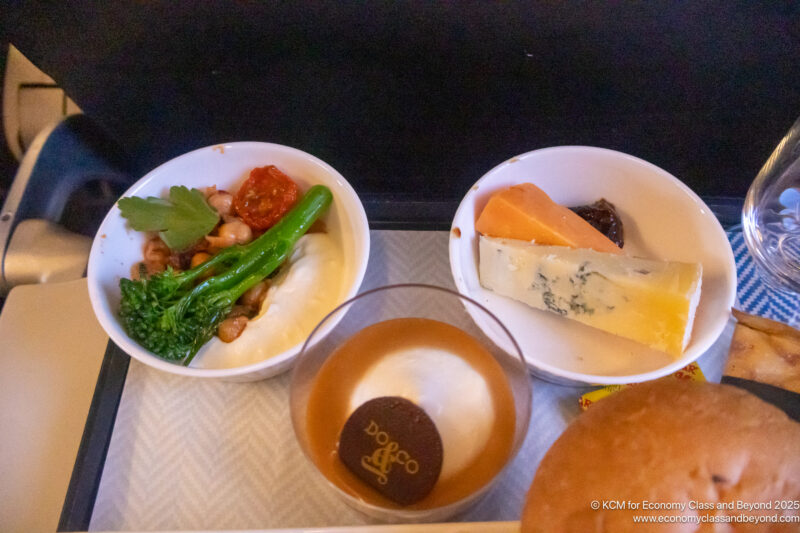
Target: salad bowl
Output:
[(117, 246)]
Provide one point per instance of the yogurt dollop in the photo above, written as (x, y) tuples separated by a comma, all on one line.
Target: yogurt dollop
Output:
[(306, 289), (447, 388)]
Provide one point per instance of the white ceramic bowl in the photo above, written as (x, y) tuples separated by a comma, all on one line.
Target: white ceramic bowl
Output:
[(662, 219), (117, 246)]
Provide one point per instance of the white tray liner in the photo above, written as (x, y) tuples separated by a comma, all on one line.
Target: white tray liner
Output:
[(194, 454)]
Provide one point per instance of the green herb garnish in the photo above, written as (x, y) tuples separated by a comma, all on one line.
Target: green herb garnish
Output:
[(181, 221)]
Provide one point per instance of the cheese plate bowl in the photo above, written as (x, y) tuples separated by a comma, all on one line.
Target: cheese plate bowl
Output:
[(662, 219)]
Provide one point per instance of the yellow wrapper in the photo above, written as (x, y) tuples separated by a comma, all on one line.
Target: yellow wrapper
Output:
[(691, 371)]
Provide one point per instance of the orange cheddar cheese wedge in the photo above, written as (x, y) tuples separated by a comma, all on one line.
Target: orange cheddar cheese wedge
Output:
[(525, 212)]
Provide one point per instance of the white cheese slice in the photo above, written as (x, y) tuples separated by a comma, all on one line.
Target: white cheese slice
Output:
[(652, 302)]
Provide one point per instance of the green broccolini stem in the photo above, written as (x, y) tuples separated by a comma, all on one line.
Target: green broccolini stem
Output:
[(288, 230), (274, 258), (228, 255), (279, 254), (291, 227)]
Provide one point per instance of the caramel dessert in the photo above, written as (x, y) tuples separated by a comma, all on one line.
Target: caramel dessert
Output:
[(446, 375)]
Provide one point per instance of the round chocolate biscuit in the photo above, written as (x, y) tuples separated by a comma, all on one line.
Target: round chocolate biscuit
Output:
[(393, 445)]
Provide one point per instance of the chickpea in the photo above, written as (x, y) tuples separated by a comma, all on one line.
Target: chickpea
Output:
[(222, 201), (240, 310), (230, 328), (176, 261), (230, 233), (199, 258), (155, 249), (253, 297), (156, 255)]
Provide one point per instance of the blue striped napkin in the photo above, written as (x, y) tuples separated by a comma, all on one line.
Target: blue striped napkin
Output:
[(752, 294)]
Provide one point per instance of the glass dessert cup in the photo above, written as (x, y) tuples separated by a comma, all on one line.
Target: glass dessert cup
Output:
[(409, 301)]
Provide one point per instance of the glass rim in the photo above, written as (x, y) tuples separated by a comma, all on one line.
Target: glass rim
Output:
[(425, 286)]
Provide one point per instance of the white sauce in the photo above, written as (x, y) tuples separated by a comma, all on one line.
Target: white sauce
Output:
[(447, 388), (306, 289)]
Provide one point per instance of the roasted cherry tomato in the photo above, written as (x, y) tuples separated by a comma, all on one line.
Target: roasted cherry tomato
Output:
[(265, 197)]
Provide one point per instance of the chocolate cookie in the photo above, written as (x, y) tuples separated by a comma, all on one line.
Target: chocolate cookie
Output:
[(393, 445)]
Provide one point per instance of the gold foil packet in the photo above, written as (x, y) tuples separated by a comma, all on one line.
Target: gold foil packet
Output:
[(691, 371)]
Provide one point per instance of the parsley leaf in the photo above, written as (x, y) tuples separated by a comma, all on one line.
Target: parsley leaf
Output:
[(145, 214), (182, 220)]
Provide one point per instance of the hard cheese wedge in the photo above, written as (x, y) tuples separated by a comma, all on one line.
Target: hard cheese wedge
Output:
[(525, 212), (652, 302)]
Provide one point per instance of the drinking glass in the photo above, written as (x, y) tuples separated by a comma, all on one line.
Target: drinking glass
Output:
[(771, 215)]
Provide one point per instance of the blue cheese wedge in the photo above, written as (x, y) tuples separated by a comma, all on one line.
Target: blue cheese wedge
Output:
[(651, 302)]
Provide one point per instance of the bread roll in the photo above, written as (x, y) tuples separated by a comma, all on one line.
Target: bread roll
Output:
[(668, 442)]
